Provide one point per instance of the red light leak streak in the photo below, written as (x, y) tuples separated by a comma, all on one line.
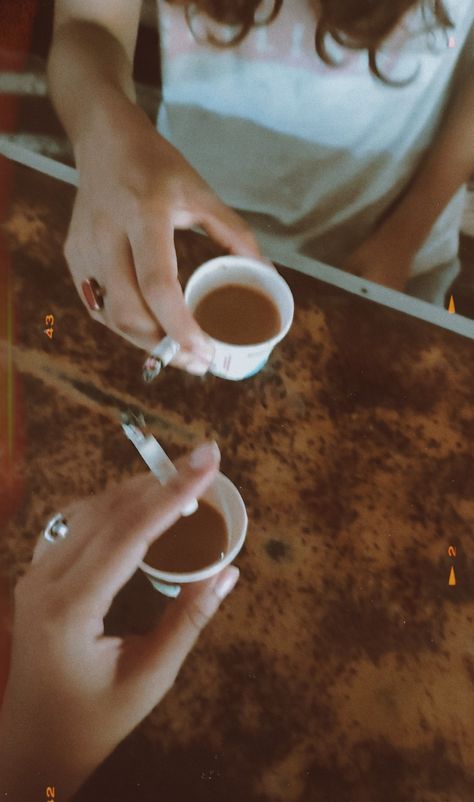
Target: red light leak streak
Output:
[(16, 24), (11, 423)]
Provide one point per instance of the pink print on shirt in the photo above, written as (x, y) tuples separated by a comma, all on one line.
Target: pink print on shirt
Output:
[(289, 41)]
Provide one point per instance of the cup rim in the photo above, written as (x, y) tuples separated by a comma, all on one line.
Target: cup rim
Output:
[(213, 568), (246, 261)]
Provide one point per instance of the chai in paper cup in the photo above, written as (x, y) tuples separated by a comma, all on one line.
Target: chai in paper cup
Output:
[(237, 362), (226, 499)]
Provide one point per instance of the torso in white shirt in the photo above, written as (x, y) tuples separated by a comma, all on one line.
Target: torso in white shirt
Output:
[(312, 154)]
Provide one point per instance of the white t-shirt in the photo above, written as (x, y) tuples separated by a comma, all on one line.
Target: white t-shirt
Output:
[(312, 154)]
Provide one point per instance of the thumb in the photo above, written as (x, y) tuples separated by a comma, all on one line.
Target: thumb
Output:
[(174, 637)]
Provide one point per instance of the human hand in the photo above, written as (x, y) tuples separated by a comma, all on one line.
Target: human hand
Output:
[(381, 260), (74, 694), (135, 190)]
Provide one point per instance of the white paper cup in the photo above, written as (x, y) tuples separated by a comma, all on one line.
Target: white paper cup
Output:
[(224, 497), (237, 362)]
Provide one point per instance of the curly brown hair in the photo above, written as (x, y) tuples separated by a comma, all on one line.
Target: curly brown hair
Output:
[(354, 24)]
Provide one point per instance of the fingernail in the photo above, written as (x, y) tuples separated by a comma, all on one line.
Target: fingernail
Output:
[(226, 581), (204, 456), (196, 362)]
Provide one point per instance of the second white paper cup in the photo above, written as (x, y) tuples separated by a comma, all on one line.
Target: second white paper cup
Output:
[(237, 362), (224, 497)]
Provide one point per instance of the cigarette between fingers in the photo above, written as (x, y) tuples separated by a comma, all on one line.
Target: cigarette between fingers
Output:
[(153, 455)]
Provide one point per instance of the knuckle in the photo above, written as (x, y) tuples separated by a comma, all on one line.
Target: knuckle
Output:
[(69, 249), (150, 283), (156, 287), (247, 234), (137, 204), (167, 284), (139, 180), (47, 603), (124, 322), (146, 214), (197, 616), (103, 232), (175, 489), (151, 206), (120, 316)]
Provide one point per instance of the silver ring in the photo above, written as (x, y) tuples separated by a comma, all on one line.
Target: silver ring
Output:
[(56, 528)]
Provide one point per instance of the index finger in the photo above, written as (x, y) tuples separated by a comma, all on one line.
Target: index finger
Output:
[(157, 275)]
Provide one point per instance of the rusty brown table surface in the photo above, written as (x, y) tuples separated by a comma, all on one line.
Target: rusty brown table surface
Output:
[(341, 669)]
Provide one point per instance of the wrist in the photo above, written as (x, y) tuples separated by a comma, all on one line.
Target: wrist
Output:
[(111, 120)]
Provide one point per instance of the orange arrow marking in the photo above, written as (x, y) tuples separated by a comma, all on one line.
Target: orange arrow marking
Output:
[(451, 307), (452, 577)]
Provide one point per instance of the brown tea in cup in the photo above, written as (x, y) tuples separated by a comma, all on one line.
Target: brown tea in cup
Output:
[(238, 315), (192, 543)]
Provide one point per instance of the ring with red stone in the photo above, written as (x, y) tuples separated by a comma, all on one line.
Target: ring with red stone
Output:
[(94, 294)]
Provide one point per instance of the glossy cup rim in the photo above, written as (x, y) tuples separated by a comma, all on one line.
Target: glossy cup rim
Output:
[(245, 261)]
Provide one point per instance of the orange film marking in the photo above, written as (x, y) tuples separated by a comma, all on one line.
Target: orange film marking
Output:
[(451, 307), (452, 576), (49, 321)]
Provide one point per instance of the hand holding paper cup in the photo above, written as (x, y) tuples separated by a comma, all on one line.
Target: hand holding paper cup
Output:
[(244, 306), (200, 545), (207, 536)]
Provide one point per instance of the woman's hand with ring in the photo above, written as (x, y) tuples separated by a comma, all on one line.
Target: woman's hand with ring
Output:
[(134, 192), (74, 694)]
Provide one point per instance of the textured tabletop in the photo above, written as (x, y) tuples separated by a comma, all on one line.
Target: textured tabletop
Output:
[(341, 669)]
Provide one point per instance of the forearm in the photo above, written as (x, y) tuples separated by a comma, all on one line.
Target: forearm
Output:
[(90, 78), (447, 166)]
